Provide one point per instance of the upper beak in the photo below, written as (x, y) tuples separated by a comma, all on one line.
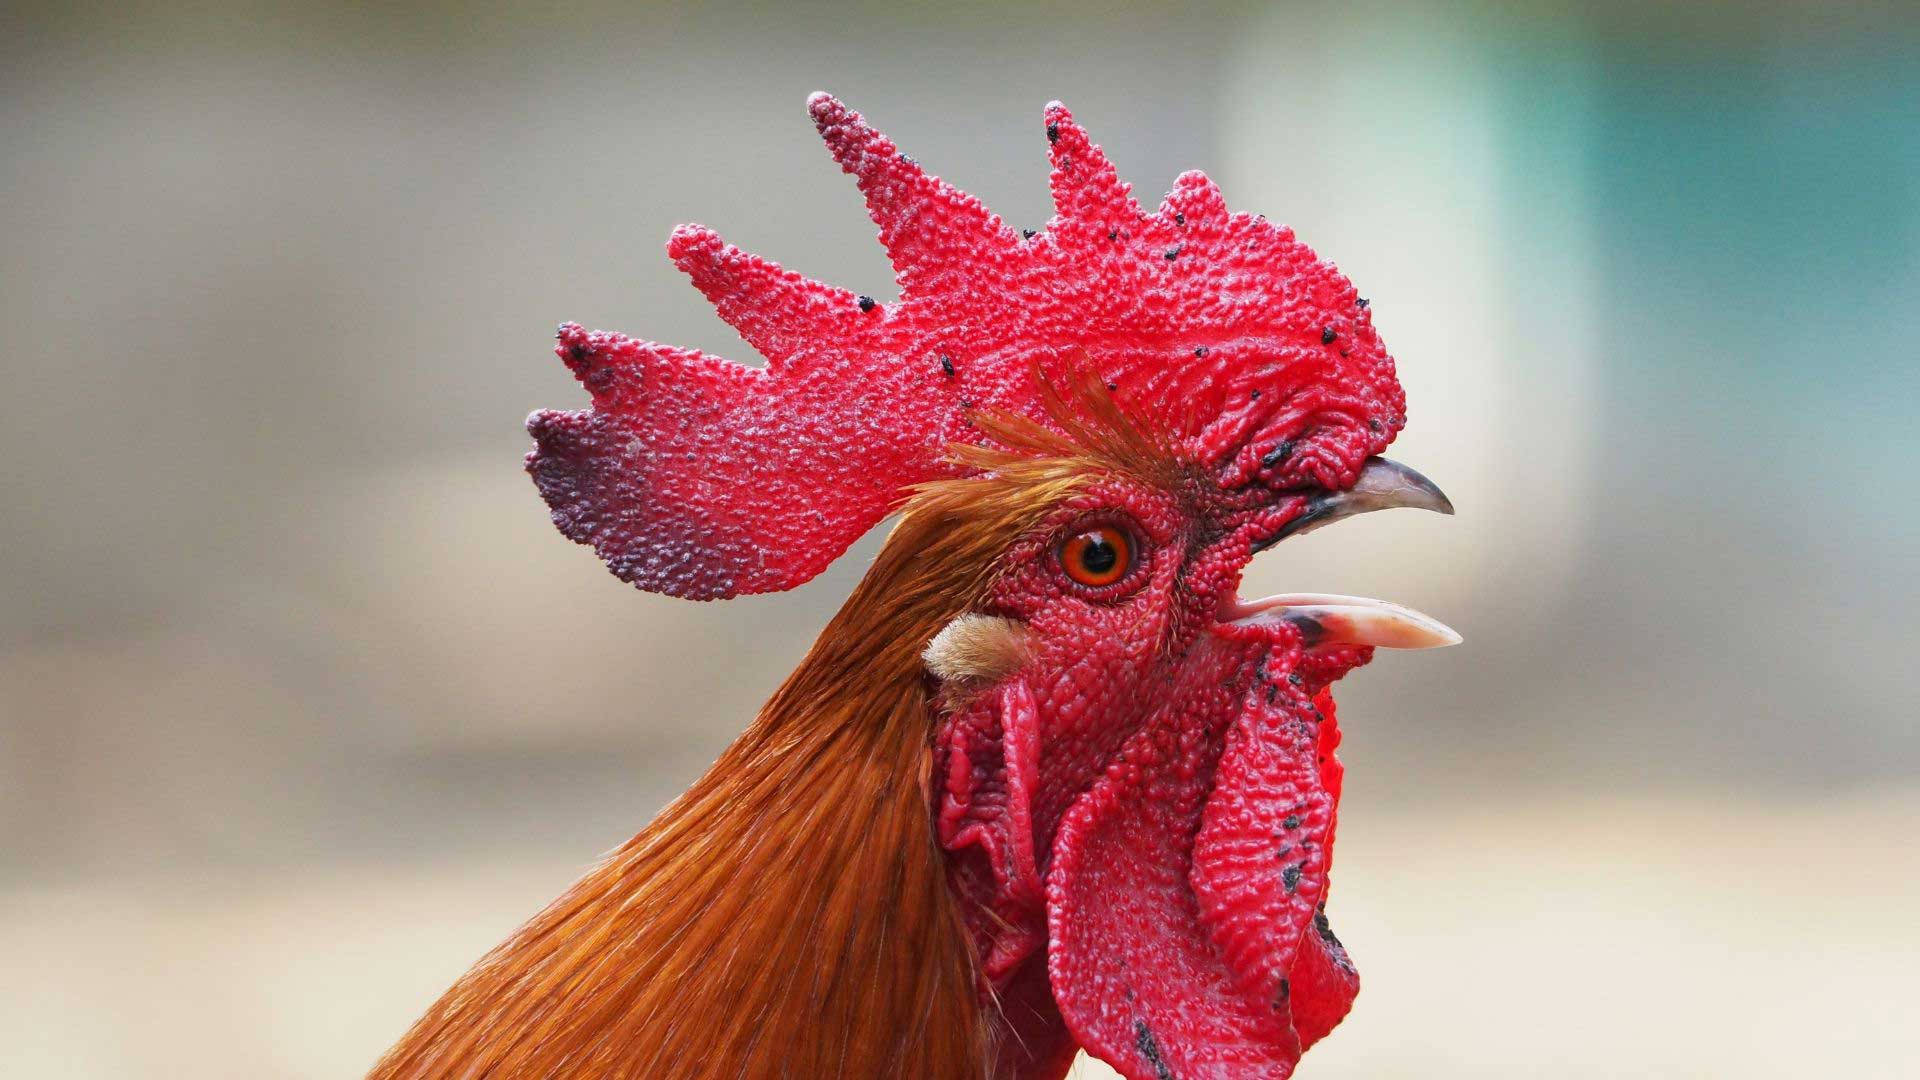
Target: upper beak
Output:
[(1382, 485)]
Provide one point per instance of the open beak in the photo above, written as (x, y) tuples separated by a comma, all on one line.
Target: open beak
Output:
[(1328, 619)]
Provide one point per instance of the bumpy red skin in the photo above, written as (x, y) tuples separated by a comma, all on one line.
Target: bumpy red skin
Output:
[(1141, 820)]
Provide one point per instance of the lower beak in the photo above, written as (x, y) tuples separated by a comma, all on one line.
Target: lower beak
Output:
[(1330, 619)]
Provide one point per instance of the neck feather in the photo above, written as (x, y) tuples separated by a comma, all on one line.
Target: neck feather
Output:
[(788, 916)]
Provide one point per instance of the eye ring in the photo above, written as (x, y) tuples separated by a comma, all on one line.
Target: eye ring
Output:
[(1097, 555)]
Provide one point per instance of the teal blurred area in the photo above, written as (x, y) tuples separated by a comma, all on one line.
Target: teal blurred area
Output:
[(303, 704)]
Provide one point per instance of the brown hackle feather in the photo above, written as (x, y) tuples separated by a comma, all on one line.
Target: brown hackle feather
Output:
[(789, 915)]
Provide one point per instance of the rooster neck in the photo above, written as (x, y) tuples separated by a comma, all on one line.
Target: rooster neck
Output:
[(788, 916)]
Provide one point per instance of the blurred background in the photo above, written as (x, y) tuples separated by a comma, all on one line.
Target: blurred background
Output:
[(304, 704)]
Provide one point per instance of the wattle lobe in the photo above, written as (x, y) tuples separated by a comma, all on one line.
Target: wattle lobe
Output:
[(1183, 894), (1261, 858)]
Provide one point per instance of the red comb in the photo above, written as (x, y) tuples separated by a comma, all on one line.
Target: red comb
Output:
[(698, 477)]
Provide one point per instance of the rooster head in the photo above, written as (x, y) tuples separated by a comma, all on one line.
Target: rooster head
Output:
[(1131, 768)]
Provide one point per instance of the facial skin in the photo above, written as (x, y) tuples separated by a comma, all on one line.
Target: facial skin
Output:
[(1140, 815)]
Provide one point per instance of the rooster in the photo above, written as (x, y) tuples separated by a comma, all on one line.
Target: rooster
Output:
[(1045, 783)]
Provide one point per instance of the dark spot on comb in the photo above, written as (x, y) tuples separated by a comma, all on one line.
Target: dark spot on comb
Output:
[(1292, 821), (1362, 303), (1201, 351), (966, 403), (1290, 877), (1327, 334), (1277, 455), (1112, 386), (908, 160), (1053, 132), (1149, 1048), (1255, 395), (1281, 995), (1373, 426), (946, 365), (1173, 252), (1179, 218), (866, 303), (578, 350), (1113, 234), (1026, 234)]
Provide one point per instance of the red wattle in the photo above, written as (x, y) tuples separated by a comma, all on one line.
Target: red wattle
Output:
[(1184, 897)]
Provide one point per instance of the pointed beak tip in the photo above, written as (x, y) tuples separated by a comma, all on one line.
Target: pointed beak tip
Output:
[(1413, 487), (1431, 634)]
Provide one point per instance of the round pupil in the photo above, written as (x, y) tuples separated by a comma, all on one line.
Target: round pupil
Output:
[(1097, 553)]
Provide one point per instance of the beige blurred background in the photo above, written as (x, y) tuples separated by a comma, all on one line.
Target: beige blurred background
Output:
[(303, 704)]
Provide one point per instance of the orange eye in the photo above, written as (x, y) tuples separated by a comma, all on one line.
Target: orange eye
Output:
[(1099, 556)]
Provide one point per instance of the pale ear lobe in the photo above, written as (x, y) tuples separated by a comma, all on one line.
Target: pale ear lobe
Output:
[(976, 651)]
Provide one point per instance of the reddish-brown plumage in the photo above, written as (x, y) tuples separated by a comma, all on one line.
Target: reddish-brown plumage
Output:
[(787, 916), (1099, 812)]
